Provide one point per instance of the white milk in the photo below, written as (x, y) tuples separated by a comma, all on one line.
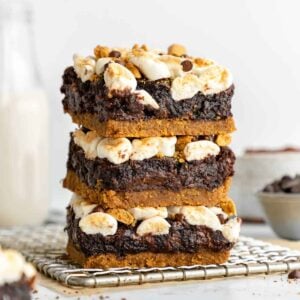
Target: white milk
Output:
[(24, 158)]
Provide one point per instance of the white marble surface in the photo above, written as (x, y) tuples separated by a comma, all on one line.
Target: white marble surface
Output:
[(260, 287)]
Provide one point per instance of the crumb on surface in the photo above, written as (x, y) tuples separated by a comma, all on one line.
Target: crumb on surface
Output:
[(295, 275)]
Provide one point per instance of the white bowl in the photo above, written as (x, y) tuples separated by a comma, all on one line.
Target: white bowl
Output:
[(254, 171), (283, 213)]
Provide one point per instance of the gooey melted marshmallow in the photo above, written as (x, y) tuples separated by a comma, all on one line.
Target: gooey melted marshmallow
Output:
[(13, 266), (153, 220), (202, 75), (120, 150)]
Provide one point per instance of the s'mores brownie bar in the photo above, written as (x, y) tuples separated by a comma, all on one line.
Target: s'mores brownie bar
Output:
[(17, 277), (154, 171), (150, 237), (141, 92)]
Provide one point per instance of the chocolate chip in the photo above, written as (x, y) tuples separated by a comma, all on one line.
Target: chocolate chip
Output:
[(290, 183), (114, 53), (269, 188), (187, 65), (294, 274), (286, 184), (295, 189)]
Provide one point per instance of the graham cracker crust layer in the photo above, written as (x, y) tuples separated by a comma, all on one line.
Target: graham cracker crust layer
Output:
[(155, 198), (147, 259), (153, 127)]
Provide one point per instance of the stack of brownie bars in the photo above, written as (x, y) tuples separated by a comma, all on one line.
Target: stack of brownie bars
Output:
[(149, 164)]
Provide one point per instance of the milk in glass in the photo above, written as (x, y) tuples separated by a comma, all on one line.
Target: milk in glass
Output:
[(24, 178)]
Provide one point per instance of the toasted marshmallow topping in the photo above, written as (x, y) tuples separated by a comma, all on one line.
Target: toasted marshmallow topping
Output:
[(207, 80), (145, 148), (231, 229), (119, 78), (99, 222), (201, 215), (116, 150), (119, 150), (101, 62), (155, 226), (185, 87), (150, 65), (152, 219), (88, 142), (150, 147), (213, 79), (188, 75), (84, 67), (173, 64), (198, 215), (167, 146), (200, 150), (143, 213), (13, 266), (81, 207), (146, 99)]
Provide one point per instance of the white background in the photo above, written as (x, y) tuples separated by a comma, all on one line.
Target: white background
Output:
[(257, 39)]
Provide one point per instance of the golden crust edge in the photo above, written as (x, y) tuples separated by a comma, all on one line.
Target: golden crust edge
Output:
[(156, 127), (111, 199)]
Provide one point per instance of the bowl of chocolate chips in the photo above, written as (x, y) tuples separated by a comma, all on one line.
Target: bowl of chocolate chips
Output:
[(280, 200)]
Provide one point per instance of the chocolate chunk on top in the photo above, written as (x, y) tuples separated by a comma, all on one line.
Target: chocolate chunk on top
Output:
[(114, 53), (187, 65)]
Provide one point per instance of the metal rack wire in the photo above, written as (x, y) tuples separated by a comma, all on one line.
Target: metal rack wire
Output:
[(44, 247)]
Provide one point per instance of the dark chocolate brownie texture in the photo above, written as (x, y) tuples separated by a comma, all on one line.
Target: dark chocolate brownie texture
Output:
[(92, 97), (154, 173), (15, 291), (182, 237)]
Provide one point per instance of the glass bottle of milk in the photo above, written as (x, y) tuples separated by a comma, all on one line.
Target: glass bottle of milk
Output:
[(24, 177)]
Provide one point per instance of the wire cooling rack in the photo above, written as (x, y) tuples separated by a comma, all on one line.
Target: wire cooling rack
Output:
[(44, 247)]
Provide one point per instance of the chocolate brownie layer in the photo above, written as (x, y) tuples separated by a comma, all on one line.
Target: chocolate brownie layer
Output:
[(93, 97), (147, 259), (182, 237), (165, 173), (15, 291)]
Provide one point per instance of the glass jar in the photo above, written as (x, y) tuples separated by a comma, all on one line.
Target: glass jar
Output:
[(24, 136)]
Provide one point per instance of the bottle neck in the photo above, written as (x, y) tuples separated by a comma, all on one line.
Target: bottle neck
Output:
[(18, 67)]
